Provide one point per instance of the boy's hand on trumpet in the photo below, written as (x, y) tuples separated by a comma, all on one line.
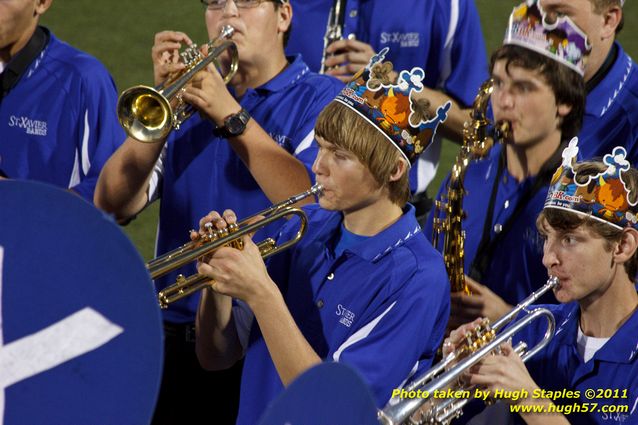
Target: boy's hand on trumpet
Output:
[(237, 273), (165, 54), (208, 93)]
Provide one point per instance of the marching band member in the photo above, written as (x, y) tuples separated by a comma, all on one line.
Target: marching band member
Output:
[(363, 286), (57, 104), (611, 77), (443, 37), (589, 227), (539, 91), (251, 146)]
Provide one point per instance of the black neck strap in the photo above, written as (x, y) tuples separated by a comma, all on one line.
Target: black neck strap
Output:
[(21, 61), (603, 70), (488, 244)]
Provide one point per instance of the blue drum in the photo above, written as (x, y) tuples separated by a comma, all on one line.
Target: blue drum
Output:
[(80, 327)]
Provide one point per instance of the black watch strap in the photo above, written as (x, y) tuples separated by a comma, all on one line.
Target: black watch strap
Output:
[(234, 125)]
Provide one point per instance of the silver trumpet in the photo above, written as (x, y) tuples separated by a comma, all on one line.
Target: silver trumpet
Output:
[(482, 341)]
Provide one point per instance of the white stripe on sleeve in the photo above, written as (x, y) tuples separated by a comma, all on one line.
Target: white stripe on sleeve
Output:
[(360, 334), (446, 69), (305, 143)]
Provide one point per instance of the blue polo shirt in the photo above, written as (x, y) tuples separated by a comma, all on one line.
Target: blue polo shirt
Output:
[(443, 37), (381, 306), (516, 268), (58, 124), (201, 172), (611, 115), (560, 367)]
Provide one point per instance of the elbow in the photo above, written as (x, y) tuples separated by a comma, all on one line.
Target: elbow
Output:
[(212, 362), (101, 201), (105, 198)]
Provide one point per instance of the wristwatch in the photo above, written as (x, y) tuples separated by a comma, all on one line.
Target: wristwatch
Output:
[(234, 124)]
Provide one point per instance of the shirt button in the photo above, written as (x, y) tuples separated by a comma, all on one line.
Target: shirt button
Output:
[(498, 228), (353, 13), (320, 303), (507, 204), (330, 276), (352, 36)]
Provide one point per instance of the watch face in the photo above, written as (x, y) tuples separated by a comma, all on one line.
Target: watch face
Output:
[(236, 124)]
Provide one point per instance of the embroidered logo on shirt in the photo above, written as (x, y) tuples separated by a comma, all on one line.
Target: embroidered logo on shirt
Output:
[(347, 317), (35, 127), (282, 140), (407, 39)]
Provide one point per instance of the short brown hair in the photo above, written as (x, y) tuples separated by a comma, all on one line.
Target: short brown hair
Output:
[(346, 129), (565, 221), (567, 85)]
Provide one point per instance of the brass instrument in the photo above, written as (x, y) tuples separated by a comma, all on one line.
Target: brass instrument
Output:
[(231, 236), (334, 29), (146, 113), (476, 144), (479, 343)]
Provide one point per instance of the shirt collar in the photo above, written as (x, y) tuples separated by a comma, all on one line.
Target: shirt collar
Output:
[(20, 62), (381, 244), (292, 73), (602, 96), (622, 347)]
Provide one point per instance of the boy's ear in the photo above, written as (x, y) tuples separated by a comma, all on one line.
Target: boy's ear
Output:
[(42, 6), (627, 246), (400, 168)]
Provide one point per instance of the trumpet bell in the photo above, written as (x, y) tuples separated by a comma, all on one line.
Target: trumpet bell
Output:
[(145, 113), (149, 114)]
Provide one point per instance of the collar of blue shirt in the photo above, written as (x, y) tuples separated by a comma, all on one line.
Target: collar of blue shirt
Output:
[(605, 92), (622, 347), (377, 246), (292, 73)]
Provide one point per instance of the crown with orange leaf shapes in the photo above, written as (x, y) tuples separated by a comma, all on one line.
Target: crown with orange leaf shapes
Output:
[(392, 108), (603, 197)]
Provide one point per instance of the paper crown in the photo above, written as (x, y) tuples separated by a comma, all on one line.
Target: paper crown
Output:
[(603, 196), (562, 40), (391, 108)]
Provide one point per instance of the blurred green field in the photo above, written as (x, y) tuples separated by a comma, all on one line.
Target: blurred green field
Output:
[(120, 34)]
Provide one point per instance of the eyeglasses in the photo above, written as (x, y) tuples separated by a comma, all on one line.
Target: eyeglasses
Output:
[(242, 4)]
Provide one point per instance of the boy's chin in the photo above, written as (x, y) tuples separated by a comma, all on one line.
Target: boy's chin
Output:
[(327, 205)]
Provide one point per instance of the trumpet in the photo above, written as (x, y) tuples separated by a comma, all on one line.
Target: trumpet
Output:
[(482, 341), (146, 113), (230, 236)]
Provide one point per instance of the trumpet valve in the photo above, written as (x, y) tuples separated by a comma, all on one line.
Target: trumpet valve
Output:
[(191, 55)]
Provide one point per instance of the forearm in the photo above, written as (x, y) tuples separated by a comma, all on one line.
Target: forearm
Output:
[(217, 343), (290, 351), (278, 173), (123, 183)]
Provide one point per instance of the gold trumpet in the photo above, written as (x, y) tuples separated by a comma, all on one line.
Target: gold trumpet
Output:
[(231, 236), (146, 112), (482, 341)]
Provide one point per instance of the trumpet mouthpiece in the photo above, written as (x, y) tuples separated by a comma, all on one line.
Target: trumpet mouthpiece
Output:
[(316, 189), (227, 31)]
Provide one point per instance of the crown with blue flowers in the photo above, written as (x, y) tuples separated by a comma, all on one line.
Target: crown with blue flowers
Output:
[(603, 196), (392, 108), (562, 40)]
